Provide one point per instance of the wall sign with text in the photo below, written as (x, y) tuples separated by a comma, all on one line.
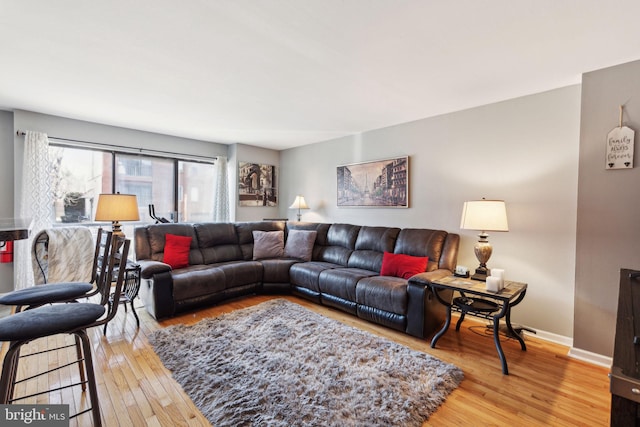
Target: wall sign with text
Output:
[(620, 144)]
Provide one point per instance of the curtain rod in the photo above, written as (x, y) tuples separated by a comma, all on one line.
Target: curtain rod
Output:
[(125, 148)]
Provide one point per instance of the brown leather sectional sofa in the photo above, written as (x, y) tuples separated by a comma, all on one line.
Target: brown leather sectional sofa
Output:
[(344, 270)]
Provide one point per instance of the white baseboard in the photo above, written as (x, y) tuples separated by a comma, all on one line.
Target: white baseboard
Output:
[(587, 356), (575, 353), (551, 337)]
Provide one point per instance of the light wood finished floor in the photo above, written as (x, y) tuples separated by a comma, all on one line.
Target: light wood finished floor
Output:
[(545, 387)]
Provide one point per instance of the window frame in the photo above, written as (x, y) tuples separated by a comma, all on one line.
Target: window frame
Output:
[(114, 151)]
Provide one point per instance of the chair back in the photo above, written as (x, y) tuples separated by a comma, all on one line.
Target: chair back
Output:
[(104, 243), (114, 273)]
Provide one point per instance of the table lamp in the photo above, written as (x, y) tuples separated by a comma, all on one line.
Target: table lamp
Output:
[(299, 203), (484, 215), (115, 208)]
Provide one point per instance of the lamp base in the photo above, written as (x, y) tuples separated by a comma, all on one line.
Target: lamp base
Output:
[(117, 232), (481, 274), (483, 250)]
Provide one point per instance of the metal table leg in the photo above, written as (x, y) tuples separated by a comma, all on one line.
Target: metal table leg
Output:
[(441, 332), (512, 331), (447, 322), (496, 340)]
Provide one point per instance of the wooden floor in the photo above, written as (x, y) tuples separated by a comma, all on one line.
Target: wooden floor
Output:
[(545, 387)]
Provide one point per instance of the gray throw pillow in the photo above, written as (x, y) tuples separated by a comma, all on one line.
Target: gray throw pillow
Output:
[(268, 244), (300, 244)]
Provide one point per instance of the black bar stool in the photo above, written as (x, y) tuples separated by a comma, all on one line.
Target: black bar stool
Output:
[(72, 318), (38, 295)]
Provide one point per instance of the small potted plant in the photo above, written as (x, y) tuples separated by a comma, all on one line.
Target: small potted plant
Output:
[(74, 207)]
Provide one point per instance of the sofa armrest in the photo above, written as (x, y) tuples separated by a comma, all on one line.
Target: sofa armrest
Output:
[(157, 295), (149, 268), (425, 278), (425, 314)]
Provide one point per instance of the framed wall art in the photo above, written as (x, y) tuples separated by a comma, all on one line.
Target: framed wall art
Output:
[(379, 183), (257, 185)]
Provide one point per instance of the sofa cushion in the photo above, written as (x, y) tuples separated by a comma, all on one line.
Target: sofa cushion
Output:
[(341, 241), (384, 293), (176, 251), (268, 244), (197, 280), (245, 230), (241, 273), (370, 245), (401, 265), (341, 282), (276, 270), (218, 242), (422, 242), (300, 244), (156, 234), (306, 274), (321, 230)]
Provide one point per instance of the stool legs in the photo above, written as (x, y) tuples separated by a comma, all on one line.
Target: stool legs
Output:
[(9, 367), (83, 350), (125, 309), (93, 387), (104, 332), (134, 313), (80, 365)]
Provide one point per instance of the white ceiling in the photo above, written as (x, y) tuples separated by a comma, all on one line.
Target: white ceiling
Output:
[(283, 73)]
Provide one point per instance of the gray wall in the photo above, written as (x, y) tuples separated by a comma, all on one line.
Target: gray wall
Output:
[(608, 231), (249, 153), (524, 151)]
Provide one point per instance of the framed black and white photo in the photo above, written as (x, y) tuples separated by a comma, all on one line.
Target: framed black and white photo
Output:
[(257, 185), (379, 183)]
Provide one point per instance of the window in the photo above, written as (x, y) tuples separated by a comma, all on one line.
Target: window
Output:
[(196, 196), (78, 177), (173, 186), (151, 179)]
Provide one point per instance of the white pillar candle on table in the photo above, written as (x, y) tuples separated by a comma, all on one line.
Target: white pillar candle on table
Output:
[(493, 284), (499, 273)]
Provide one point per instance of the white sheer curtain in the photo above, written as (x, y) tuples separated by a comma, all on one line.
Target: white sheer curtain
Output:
[(36, 201), (221, 207)]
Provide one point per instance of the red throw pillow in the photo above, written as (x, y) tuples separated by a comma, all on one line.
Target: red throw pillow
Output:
[(401, 265), (176, 250)]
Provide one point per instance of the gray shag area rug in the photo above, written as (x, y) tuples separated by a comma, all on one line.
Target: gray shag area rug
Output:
[(279, 364)]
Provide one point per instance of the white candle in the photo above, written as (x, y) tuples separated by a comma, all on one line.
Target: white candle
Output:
[(493, 284), (497, 272)]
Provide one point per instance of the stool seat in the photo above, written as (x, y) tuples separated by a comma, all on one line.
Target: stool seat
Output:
[(48, 320), (43, 294)]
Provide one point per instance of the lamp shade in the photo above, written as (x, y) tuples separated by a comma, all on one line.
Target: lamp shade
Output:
[(299, 203), (484, 215), (117, 207)]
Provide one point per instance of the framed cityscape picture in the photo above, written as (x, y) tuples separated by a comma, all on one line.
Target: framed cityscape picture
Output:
[(379, 183), (257, 185)]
